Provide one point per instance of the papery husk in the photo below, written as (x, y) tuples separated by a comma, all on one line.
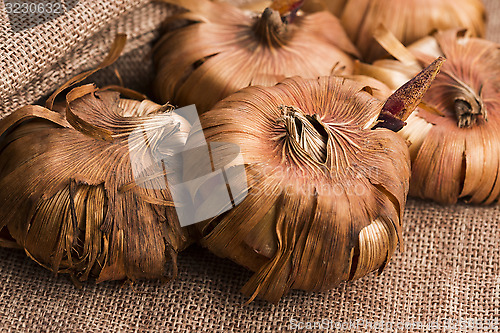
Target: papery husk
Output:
[(226, 49), (69, 197), (408, 20), (326, 191), (454, 156)]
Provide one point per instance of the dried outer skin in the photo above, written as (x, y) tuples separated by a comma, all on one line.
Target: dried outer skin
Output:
[(226, 50), (449, 161), (68, 194), (408, 20), (309, 222)]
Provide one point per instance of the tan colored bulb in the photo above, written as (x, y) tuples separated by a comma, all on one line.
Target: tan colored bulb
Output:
[(326, 185), (408, 20), (454, 135), (225, 49), (69, 196)]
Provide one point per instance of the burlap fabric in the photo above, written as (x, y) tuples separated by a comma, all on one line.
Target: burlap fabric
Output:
[(446, 279)]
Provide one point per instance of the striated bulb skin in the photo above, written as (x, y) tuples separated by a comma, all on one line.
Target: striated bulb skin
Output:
[(408, 20), (454, 134), (326, 191), (224, 50), (69, 197)]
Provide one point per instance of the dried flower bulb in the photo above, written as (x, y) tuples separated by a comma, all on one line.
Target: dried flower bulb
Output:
[(454, 139), (225, 50), (408, 20), (326, 190), (69, 196)]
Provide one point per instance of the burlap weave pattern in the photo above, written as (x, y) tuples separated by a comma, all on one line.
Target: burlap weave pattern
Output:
[(34, 62), (448, 272)]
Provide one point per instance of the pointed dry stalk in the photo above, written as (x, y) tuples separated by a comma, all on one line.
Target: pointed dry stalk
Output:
[(408, 20), (224, 49), (454, 135), (336, 7), (326, 189)]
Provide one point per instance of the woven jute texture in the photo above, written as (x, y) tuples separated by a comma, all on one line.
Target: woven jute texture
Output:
[(34, 62), (447, 278)]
